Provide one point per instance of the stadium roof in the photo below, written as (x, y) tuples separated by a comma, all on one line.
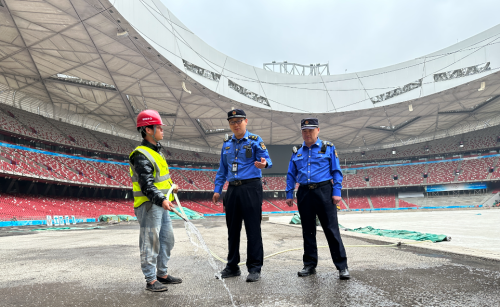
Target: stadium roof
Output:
[(96, 65)]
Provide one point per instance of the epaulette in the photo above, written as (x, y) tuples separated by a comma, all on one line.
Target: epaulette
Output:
[(253, 137), (227, 137), (295, 148)]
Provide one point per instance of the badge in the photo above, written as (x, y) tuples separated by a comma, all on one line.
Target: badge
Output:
[(336, 155), (262, 145), (294, 149), (306, 122), (234, 112), (299, 155), (228, 147), (235, 167)]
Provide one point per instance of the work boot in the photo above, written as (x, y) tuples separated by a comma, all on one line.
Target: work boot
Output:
[(227, 272), (344, 274), (169, 280), (156, 287), (307, 270), (253, 277)]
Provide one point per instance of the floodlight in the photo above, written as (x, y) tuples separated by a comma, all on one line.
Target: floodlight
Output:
[(123, 33)]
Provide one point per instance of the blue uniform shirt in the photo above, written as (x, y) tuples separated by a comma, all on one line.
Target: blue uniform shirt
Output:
[(234, 151), (309, 166)]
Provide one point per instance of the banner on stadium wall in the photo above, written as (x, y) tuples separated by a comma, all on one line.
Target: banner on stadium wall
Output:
[(410, 194), (456, 187)]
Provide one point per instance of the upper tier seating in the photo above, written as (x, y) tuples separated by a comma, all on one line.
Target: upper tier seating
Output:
[(410, 174), (443, 172), (354, 181), (42, 128), (477, 169), (381, 176)]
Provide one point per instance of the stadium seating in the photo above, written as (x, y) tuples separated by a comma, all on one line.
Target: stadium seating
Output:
[(208, 203), (275, 183), (443, 172), (474, 170), (381, 176), (357, 202), (354, 180), (410, 174), (199, 179), (269, 207), (281, 203), (195, 206), (29, 207), (405, 204), (383, 201)]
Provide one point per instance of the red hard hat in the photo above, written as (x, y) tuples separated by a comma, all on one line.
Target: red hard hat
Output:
[(148, 118)]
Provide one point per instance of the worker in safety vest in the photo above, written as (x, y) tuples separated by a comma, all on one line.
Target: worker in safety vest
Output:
[(151, 182)]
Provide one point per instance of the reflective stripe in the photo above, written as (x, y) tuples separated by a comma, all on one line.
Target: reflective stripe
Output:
[(152, 160), (139, 193)]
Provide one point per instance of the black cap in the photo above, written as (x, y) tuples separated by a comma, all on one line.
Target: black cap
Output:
[(236, 113), (309, 123)]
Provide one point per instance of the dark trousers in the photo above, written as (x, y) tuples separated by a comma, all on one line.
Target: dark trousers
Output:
[(244, 203), (318, 202)]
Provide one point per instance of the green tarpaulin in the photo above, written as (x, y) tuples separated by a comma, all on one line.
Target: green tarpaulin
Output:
[(192, 215), (106, 218), (296, 220), (402, 234), (127, 218)]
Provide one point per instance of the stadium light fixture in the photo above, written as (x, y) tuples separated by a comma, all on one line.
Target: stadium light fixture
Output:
[(123, 33), (394, 151)]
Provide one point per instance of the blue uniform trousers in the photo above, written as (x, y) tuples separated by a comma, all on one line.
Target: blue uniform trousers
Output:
[(318, 202), (244, 203)]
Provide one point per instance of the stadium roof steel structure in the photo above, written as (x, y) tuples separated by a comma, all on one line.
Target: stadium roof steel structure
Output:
[(97, 63)]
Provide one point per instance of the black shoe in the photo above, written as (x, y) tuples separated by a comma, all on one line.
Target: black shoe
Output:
[(344, 274), (227, 272), (253, 277), (307, 270), (156, 287), (169, 280)]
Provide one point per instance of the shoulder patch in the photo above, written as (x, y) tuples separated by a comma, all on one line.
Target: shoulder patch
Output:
[(336, 155), (262, 145), (253, 137), (329, 143), (227, 137)]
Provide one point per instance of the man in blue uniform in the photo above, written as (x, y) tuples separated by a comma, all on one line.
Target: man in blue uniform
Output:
[(243, 155), (313, 165)]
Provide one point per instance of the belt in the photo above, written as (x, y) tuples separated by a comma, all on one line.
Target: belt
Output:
[(240, 182), (313, 186)]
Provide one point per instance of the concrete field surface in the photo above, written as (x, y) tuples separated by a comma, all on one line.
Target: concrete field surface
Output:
[(100, 267)]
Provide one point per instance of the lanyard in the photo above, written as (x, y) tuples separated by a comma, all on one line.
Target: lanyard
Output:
[(239, 149)]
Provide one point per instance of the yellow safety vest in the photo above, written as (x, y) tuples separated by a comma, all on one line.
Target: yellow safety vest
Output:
[(160, 172)]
